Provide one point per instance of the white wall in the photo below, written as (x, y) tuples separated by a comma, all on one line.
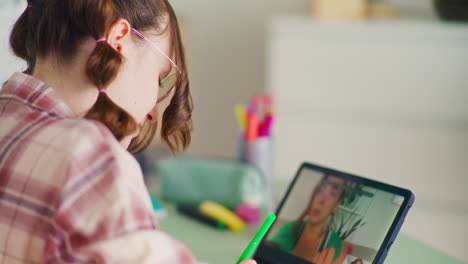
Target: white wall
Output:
[(227, 52), (8, 63)]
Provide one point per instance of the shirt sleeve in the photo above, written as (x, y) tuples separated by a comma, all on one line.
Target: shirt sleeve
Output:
[(105, 215)]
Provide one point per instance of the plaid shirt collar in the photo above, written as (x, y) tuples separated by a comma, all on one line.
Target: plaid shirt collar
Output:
[(35, 93)]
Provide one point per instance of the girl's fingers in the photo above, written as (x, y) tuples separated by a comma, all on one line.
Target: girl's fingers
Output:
[(316, 257), (248, 261), (321, 256), (329, 256), (341, 258)]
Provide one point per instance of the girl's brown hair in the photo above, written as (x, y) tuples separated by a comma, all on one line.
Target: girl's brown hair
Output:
[(58, 27)]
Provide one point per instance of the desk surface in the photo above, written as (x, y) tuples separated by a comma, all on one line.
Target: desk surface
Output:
[(216, 247)]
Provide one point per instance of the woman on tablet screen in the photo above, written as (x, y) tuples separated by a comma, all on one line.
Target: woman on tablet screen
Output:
[(310, 233)]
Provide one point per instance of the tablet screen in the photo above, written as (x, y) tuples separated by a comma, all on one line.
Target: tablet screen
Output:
[(323, 211)]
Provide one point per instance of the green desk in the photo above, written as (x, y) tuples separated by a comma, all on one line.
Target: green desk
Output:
[(218, 247), (222, 247)]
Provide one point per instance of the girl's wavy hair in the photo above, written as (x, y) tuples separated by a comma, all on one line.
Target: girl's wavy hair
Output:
[(58, 27)]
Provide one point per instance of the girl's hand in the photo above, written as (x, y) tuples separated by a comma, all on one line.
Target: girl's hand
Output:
[(326, 257), (250, 261)]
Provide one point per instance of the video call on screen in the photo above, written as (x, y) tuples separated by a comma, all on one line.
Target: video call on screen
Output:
[(324, 212)]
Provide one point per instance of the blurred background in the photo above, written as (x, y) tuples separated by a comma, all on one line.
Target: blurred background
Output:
[(376, 88)]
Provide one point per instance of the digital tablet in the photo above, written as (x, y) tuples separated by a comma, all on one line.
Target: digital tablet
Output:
[(330, 213)]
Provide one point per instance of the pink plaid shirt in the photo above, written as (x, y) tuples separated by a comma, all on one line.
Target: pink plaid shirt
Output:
[(69, 192)]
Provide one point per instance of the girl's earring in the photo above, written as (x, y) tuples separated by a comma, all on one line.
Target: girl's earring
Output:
[(149, 117)]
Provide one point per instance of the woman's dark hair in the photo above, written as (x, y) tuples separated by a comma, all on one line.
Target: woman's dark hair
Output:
[(58, 27)]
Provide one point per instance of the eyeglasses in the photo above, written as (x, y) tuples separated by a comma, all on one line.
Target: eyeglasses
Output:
[(166, 85)]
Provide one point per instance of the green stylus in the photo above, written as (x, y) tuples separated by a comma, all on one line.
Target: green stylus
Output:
[(250, 249)]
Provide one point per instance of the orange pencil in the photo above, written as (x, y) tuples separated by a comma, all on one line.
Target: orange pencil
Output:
[(253, 126)]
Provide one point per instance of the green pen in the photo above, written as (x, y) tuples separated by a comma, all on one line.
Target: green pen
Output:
[(249, 250)]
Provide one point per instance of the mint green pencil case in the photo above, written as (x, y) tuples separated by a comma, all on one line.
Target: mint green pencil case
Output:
[(193, 180)]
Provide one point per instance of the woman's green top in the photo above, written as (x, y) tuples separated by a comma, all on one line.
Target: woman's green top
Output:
[(286, 239)]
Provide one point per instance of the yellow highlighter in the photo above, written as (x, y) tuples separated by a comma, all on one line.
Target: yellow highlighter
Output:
[(222, 214), (241, 115)]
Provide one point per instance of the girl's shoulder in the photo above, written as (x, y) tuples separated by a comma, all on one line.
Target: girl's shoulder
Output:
[(77, 133), (90, 146), (78, 137)]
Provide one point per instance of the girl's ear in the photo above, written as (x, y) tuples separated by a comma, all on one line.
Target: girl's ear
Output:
[(119, 34)]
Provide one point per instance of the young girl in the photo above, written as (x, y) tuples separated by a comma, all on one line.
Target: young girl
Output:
[(69, 190)]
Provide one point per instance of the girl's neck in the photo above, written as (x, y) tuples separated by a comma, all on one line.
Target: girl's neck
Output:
[(69, 81), (309, 241), (315, 230)]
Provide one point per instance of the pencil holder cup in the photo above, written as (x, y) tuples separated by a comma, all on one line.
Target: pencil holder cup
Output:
[(259, 154)]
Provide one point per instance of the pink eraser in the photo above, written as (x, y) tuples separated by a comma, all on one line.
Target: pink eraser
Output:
[(248, 213)]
